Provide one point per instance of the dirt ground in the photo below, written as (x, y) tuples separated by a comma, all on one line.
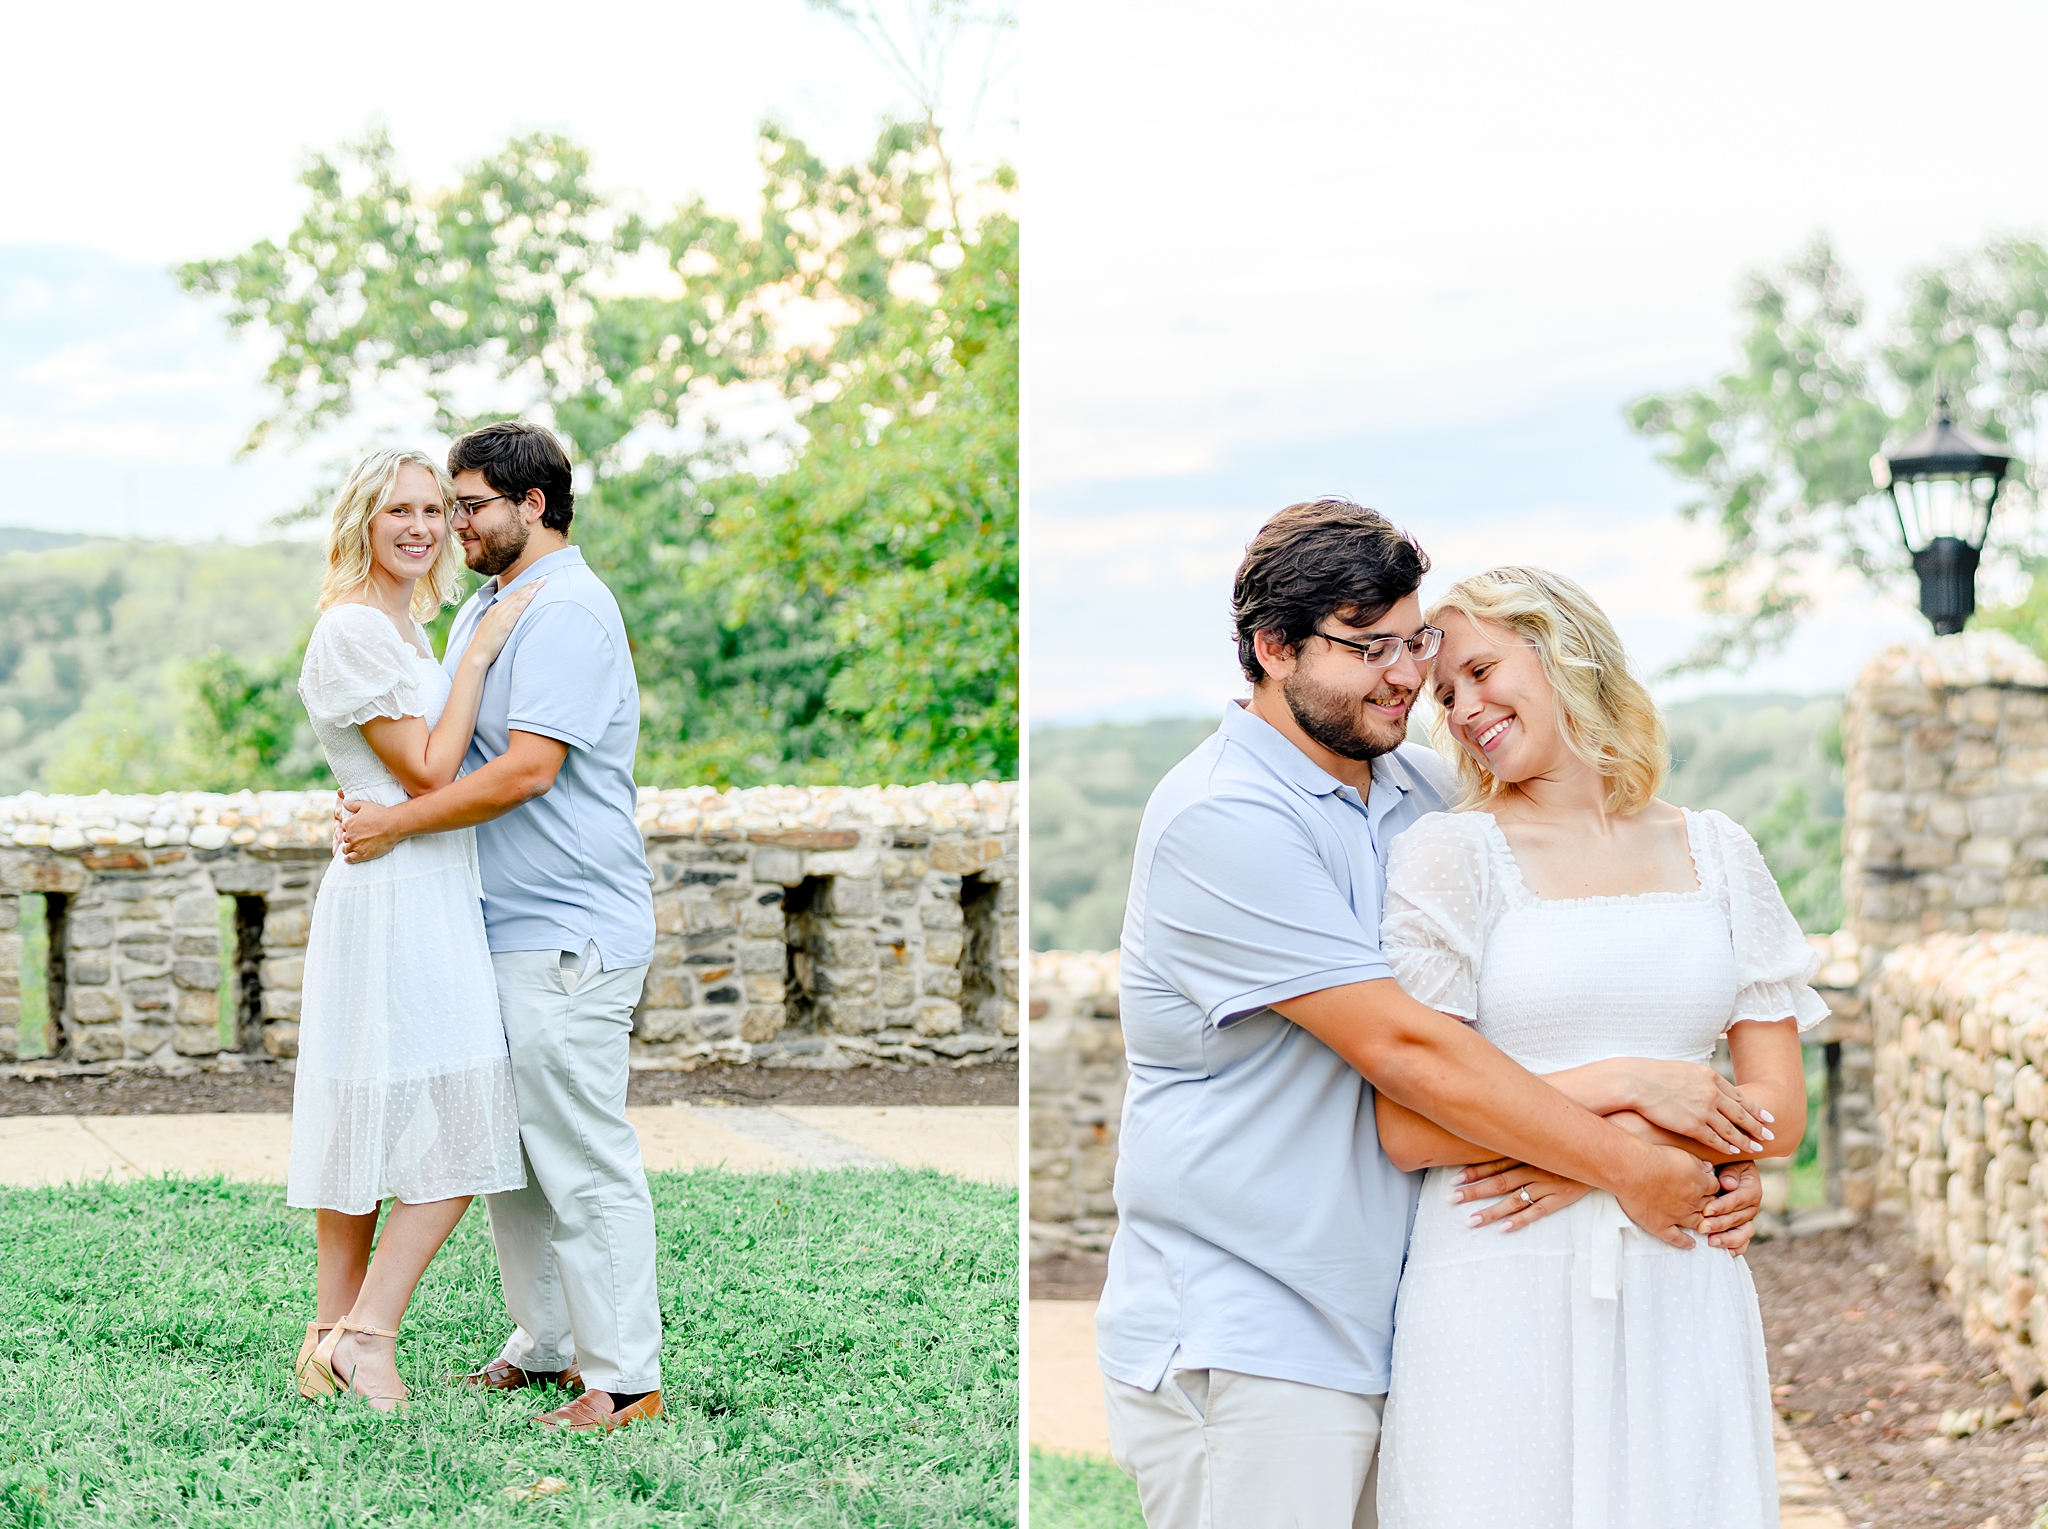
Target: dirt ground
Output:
[(265, 1090), (1864, 1362)]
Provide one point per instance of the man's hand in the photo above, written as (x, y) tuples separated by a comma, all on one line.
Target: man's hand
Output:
[(1671, 1198), (1731, 1218), (367, 831)]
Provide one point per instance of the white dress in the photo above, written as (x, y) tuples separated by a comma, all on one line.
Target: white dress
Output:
[(404, 1085), (1579, 1374)]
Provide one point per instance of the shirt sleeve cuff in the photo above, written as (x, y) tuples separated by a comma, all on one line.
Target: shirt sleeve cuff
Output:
[(552, 730), (1239, 1006)]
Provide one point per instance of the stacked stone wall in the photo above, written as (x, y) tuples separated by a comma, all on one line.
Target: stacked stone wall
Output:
[(797, 927), (1962, 1088), (1078, 1076)]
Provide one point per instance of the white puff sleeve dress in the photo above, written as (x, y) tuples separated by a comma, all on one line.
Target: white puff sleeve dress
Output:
[(1579, 1374), (404, 1083)]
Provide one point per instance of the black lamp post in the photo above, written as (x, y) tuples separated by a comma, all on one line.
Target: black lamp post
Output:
[(1943, 483)]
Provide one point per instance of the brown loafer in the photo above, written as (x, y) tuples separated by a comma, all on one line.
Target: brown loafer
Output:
[(503, 1375), (592, 1413)]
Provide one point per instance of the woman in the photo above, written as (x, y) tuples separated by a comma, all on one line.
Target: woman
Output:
[(1578, 1372), (404, 1086)]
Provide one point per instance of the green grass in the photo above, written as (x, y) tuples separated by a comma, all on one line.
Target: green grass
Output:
[(839, 1349), (1081, 1492)]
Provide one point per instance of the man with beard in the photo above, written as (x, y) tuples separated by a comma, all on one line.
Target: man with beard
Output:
[(1245, 1330), (570, 918)]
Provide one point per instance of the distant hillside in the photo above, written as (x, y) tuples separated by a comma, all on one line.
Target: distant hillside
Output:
[(22, 539), (1771, 762), (93, 635)]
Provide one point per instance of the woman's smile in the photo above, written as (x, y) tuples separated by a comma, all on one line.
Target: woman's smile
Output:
[(1486, 738)]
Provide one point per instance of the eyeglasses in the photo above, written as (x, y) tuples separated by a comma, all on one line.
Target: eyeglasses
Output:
[(468, 508), (1385, 652)]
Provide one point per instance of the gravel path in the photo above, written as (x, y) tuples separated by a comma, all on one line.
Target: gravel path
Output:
[(1864, 1363), (263, 1089)]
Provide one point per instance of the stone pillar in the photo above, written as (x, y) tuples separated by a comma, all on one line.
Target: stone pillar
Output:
[(1945, 790)]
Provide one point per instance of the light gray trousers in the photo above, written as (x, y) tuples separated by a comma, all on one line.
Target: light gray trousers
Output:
[(576, 1245), (1214, 1449)]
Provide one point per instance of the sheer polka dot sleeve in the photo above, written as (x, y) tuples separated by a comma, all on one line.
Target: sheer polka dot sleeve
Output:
[(1438, 890), (358, 667), (1773, 962)]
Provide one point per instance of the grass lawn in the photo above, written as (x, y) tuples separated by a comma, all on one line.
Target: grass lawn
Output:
[(1081, 1492), (840, 1349)]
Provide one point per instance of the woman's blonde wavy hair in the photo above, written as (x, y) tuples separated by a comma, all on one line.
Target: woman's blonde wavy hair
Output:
[(348, 534), (1604, 713)]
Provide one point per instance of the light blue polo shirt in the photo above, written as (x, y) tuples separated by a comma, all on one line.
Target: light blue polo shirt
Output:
[(1261, 1228), (567, 867)]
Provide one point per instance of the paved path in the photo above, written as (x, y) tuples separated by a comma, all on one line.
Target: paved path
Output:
[(972, 1141), (1067, 1413)]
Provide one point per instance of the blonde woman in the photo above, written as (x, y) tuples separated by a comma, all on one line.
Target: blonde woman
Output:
[(1553, 1365), (404, 1085)]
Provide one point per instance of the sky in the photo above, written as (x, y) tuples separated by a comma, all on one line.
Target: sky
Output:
[(154, 135), (1423, 256)]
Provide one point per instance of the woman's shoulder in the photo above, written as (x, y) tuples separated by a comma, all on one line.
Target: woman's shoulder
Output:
[(1462, 836)]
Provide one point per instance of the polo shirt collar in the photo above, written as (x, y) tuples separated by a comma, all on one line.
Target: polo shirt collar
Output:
[(567, 557), (1274, 750)]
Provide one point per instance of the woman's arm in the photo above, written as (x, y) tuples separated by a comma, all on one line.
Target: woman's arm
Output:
[(424, 761), (1771, 1071), (1686, 1102)]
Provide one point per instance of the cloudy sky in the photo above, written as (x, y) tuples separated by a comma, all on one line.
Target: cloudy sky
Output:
[(150, 135), (1423, 256)]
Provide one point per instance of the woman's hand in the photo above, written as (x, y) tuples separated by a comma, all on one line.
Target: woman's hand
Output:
[(1691, 1099), (495, 630), (1529, 1194)]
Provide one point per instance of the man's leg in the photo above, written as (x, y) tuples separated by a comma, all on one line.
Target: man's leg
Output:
[(569, 1036), (522, 1220), (1214, 1448)]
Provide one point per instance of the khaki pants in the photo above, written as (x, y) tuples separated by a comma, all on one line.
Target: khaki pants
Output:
[(576, 1245), (1213, 1449)]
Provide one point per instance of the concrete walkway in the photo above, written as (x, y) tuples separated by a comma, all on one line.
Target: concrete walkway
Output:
[(1067, 1412), (970, 1141)]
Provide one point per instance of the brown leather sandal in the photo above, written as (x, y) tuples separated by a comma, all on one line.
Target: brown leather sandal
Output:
[(323, 1359), (313, 1383)]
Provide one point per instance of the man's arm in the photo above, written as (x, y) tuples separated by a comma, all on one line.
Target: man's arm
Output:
[(524, 771), (1431, 1063)]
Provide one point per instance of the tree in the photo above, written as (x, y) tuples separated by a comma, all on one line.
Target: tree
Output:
[(883, 330), (1780, 447)]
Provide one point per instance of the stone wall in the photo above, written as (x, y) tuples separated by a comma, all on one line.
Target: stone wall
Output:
[(1962, 1024), (1077, 1098), (1945, 793), (796, 927)]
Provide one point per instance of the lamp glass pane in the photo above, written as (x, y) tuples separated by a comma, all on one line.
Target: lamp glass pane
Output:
[(1933, 507)]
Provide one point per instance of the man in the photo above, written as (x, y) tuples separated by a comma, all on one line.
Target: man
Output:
[(570, 916), (1246, 1326)]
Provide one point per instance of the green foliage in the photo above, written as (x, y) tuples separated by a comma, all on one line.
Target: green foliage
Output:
[(94, 644), (1774, 765), (836, 602), (1779, 447), (838, 1349), (1089, 786), (245, 724), (1081, 1492)]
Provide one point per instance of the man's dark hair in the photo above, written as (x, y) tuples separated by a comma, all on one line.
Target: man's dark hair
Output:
[(1325, 557), (515, 458)]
